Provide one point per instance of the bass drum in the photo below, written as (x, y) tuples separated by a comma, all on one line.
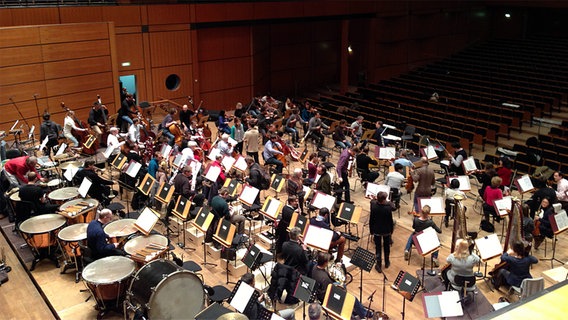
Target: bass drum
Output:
[(162, 290)]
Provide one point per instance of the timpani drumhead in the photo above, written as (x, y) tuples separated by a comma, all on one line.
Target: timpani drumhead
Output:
[(42, 224), (15, 196), (54, 183), (165, 291), (74, 232), (108, 270), (137, 243), (121, 228), (63, 194)]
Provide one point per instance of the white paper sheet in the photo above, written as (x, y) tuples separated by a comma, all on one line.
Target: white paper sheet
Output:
[(428, 240), (84, 187), (489, 246)]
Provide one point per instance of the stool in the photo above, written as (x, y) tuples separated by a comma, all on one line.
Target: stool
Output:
[(191, 266), (220, 294)]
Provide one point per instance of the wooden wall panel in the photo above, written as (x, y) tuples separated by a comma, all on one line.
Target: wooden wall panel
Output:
[(69, 68), (21, 74), (291, 56), (81, 32), (210, 44), (79, 83), (159, 76), (391, 29), (15, 37), (391, 53), (236, 72), (237, 42), (20, 55), (224, 43), (170, 48), (130, 48), (6, 18), (289, 33), (27, 108), (82, 100), (123, 15), (168, 14), (64, 51), (80, 15), (22, 92), (35, 16), (212, 74)]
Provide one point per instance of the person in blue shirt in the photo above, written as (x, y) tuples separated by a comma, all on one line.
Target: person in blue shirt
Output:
[(98, 240)]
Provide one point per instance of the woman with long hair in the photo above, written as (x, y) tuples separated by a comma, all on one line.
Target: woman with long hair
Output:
[(462, 261)]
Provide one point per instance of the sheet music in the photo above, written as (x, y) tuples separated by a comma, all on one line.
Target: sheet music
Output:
[(15, 124), (273, 207), (445, 162), (428, 240), (242, 297), (373, 189), (318, 237), (249, 194), (322, 200), (166, 150), (502, 205), (436, 204), (451, 306), (307, 190), (525, 184), (70, 173), (147, 220), (489, 246), (241, 164), (318, 176), (430, 152), (232, 141), (464, 182), (213, 154), (133, 169), (195, 168), (387, 153), (228, 163), (84, 187), (108, 152), (61, 149), (213, 173), (180, 160), (31, 133), (561, 221), (43, 143), (469, 164)]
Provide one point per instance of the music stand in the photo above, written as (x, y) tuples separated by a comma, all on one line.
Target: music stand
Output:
[(350, 214), (559, 224), (213, 311), (407, 286), (243, 296), (224, 235), (338, 302), (299, 221), (365, 260), (165, 193), (146, 221), (305, 292), (426, 242), (304, 155), (488, 247), (146, 184), (255, 257), (368, 134), (232, 185), (322, 200), (524, 184), (202, 222), (119, 161), (442, 304), (277, 183), (248, 195), (181, 211)]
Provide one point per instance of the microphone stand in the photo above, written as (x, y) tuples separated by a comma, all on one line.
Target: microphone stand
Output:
[(370, 298), (384, 290)]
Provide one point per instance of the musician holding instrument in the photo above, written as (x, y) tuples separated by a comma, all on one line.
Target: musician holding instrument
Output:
[(97, 118), (338, 240), (68, 125), (357, 129), (395, 180), (363, 162), (462, 261), (272, 150), (223, 123), (457, 159), (112, 142), (339, 137), (561, 189), (185, 116), (263, 302), (518, 267), (50, 130), (491, 194), (166, 123), (315, 125), (295, 187), (542, 222), (504, 171), (312, 168), (134, 131), (20, 166), (450, 194), (343, 172), (98, 240), (125, 112), (426, 179), (381, 226), (294, 252), (225, 148), (291, 128), (281, 232), (419, 224), (35, 194)]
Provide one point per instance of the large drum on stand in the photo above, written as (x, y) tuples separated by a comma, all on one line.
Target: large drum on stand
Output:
[(107, 279), (70, 237), (40, 233), (163, 290), (143, 249), (62, 195), (121, 229)]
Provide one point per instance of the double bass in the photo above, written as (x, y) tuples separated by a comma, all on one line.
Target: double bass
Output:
[(86, 138)]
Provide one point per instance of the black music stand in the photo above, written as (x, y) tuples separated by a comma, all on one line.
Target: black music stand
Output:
[(407, 286), (305, 291), (243, 298), (255, 257), (365, 260), (213, 311), (224, 235), (181, 211), (203, 222)]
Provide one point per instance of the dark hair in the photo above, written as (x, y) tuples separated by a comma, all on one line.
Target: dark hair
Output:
[(455, 184), (292, 198), (247, 278), (381, 196), (89, 163), (323, 168), (456, 145), (506, 162), (519, 248), (323, 258), (46, 116), (397, 166), (323, 212)]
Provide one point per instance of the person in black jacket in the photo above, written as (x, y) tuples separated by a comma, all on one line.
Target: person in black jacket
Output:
[(381, 227), (287, 212), (254, 178), (100, 188), (97, 239), (294, 252)]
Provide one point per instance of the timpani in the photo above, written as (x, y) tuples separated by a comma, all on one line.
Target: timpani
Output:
[(144, 249), (79, 210), (62, 195), (121, 229), (40, 233), (70, 237), (54, 184)]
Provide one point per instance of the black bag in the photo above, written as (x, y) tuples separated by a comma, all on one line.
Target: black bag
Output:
[(487, 226)]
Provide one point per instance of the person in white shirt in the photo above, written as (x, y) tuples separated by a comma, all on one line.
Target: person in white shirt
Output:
[(188, 152), (224, 146), (134, 131), (395, 180), (112, 140), (68, 125), (561, 189)]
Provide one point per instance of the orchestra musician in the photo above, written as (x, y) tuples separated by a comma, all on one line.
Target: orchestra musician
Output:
[(252, 141), (68, 125), (272, 149), (189, 152), (542, 219), (343, 172), (98, 240), (504, 172), (100, 188), (223, 123), (253, 311), (166, 123), (518, 267), (426, 180), (485, 176), (281, 231), (462, 261), (295, 187), (324, 182), (97, 118), (185, 117), (457, 159), (125, 112), (20, 166), (225, 148), (51, 130), (381, 227), (395, 181), (491, 194), (338, 240), (294, 252), (112, 141), (561, 189), (339, 137), (450, 193), (134, 131), (357, 129), (291, 128), (419, 224), (363, 162), (220, 210), (254, 177), (314, 127), (238, 134), (35, 194), (312, 169), (212, 190)]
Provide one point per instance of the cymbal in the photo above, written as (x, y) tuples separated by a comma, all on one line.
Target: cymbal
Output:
[(233, 316), (71, 164)]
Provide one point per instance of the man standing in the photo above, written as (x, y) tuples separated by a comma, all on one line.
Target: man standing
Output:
[(457, 160), (426, 179), (324, 182), (271, 150), (342, 172), (20, 166), (252, 141), (281, 230), (381, 227), (50, 130)]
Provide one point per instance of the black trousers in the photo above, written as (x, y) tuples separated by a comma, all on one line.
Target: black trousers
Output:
[(383, 241)]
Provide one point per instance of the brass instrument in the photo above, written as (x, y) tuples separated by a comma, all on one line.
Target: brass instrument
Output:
[(336, 273)]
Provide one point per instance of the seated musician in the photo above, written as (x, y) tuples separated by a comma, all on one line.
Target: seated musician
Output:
[(281, 231), (100, 188), (295, 187), (134, 131), (542, 191), (185, 116), (294, 252), (363, 161), (20, 166), (542, 219), (112, 142), (315, 125), (517, 268), (225, 148), (323, 280), (189, 151), (403, 160), (485, 177), (357, 129), (312, 169), (462, 261), (457, 159), (125, 112), (450, 193), (491, 194), (166, 124), (395, 180), (291, 126), (98, 240), (561, 189), (223, 123), (271, 150), (68, 126), (48, 129), (337, 241), (253, 311), (220, 210), (505, 173), (97, 118), (419, 224), (339, 137), (35, 194), (378, 134)]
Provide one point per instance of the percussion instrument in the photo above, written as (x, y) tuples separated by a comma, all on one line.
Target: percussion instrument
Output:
[(121, 229), (70, 164), (107, 279), (54, 184), (143, 249), (15, 196), (59, 196), (233, 316), (79, 210), (40, 233), (163, 290), (70, 236)]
